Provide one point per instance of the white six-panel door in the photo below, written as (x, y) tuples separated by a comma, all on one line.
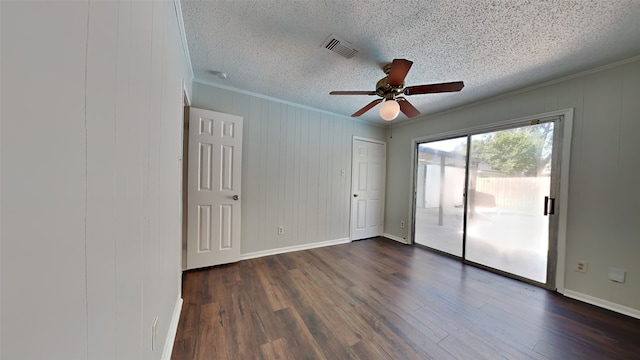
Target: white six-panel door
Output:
[(367, 188), (214, 196)]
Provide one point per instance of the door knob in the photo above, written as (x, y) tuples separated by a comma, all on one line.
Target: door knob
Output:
[(236, 197), (355, 195)]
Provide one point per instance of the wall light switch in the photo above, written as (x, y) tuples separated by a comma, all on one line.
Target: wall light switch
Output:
[(617, 274)]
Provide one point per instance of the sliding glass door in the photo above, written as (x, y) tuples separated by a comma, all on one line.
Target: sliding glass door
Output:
[(509, 178), (439, 210), (488, 198)]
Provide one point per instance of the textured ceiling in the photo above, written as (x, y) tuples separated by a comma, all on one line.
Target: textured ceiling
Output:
[(273, 47)]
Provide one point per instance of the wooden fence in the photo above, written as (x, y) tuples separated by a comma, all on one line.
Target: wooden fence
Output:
[(520, 194)]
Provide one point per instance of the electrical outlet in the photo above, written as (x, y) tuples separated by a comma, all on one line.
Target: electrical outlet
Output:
[(280, 230), (402, 224), (154, 333), (581, 266)]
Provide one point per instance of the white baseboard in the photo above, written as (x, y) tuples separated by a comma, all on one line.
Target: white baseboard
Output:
[(396, 238), (293, 248), (173, 329), (602, 303)]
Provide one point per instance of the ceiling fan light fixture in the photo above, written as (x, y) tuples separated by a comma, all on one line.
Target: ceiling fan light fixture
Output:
[(389, 110), (390, 87)]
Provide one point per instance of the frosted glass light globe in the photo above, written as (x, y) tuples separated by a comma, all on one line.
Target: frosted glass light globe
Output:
[(389, 110)]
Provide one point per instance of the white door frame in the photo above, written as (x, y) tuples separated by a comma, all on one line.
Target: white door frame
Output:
[(184, 162), (352, 185)]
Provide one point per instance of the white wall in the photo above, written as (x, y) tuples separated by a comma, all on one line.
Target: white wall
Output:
[(604, 201), (291, 168), (91, 139)]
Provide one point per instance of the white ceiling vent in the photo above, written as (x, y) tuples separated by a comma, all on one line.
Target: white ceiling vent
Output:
[(340, 46)]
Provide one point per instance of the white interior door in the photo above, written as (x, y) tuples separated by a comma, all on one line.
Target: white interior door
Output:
[(214, 196), (367, 188)]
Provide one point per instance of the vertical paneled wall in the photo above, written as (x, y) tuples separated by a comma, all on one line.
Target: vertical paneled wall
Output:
[(91, 145), (296, 168), (603, 211), (43, 180)]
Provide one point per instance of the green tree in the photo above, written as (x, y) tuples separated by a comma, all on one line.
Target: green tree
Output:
[(513, 152)]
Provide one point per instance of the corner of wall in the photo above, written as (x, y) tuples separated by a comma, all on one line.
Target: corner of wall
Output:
[(183, 38)]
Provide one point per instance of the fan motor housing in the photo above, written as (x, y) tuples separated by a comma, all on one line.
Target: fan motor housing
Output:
[(383, 89)]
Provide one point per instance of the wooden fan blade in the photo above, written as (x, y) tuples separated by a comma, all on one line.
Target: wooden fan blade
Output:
[(399, 69), (367, 107), (434, 88), (352, 93), (407, 108)]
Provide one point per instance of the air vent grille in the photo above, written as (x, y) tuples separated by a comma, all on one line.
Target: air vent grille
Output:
[(340, 46)]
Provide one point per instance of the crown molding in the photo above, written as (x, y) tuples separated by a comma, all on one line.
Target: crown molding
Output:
[(183, 36), (270, 98)]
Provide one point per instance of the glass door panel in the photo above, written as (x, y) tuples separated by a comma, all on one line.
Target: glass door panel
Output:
[(509, 177), (439, 207)]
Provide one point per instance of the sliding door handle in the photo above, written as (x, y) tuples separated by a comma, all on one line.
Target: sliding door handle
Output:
[(546, 206), (549, 210)]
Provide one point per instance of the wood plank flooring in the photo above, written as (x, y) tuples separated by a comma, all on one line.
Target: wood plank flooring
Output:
[(378, 299)]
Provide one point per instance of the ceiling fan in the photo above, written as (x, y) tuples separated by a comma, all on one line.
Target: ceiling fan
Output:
[(392, 86)]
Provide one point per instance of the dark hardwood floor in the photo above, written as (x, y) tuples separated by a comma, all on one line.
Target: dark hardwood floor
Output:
[(378, 299)]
